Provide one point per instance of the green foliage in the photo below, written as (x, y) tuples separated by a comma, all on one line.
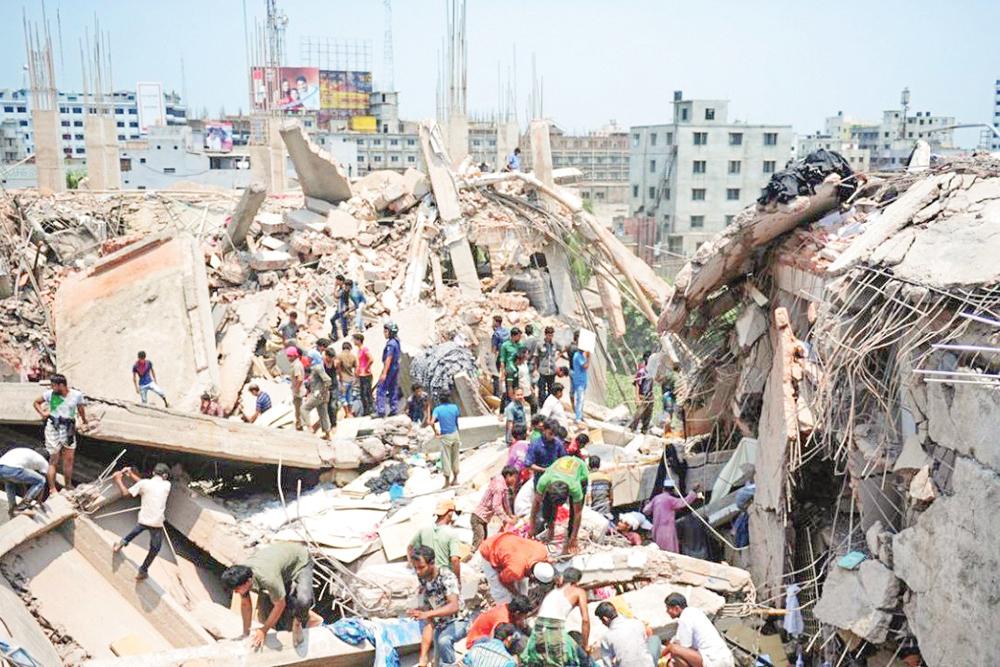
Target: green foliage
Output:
[(73, 178), (577, 263), (640, 335), (588, 206)]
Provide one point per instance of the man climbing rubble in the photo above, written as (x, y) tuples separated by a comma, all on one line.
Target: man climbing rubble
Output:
[(22, 467), (643, 384), (61, 407), (497, 501), (387, 392), (544, 450), (342, 294), (696, 643), (262, 402), (444, 420), (564, 481), (282, 575), (152, 510), (442, 538), (440, 610), (144, 379)]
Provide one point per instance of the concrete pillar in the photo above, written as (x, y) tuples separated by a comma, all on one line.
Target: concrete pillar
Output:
[(103, 158), (562, 280), (246, 210), (267, 160), (48, 150), (464, 265), (458, 138), (541, 152), (507, 140)]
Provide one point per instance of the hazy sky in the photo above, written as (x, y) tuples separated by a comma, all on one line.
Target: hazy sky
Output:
[(781, 61)]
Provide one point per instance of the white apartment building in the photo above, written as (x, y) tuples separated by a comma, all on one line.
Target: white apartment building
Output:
[(15, 112), (698, 171)]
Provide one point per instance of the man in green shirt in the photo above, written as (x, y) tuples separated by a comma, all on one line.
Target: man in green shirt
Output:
[(508, 364), (442, 538), (282, 576), (564, 480)]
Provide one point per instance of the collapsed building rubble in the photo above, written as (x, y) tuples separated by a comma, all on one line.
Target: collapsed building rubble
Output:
[(852, 330)]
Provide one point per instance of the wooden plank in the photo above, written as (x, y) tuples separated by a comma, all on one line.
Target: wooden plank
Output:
[(172, 430)]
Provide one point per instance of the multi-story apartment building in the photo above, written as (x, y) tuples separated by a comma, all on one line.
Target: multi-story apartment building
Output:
[(694, 174), (15, 111), (995, 119)]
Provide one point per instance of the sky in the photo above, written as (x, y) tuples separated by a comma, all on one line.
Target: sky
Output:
[(778, 61)]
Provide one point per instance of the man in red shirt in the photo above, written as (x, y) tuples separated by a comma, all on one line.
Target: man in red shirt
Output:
[(516, 611), (364, 373), (508, 559)]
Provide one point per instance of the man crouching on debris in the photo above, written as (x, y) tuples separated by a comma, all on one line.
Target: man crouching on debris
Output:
[(282, 575), (62, 405), (152, 511)]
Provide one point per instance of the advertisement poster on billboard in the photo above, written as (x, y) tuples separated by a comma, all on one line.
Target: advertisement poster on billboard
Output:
[(288, 89), (344, 93), (218, 136), (149, 101)]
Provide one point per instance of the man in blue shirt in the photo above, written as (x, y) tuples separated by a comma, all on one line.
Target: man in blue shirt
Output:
[(445, 421), (387, 391), (497, 651), (578, 375), (144, 379), (543, 451), (358, 302), (343, 295), (514, 161), (261, 405)]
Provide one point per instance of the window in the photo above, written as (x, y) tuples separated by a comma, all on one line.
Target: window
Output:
[(23, 123), (652, 166), (411, 142), (698, 194), (729, 219), (395, 142), (635, 139), (652, 138), (133, 124), (361, 142), (22, 109), (411, 158), (709, 114), (77, 109), (119, 110), (67, 137), (768, 166), (157, 146), (734, 167), (735, 138), (121, 137), (732, 194), (126, 164), (377, 158), (78, 137), (8, 109), (635, 191), (120, 124), (175, 146), (132, 112), (675, 244), (770, 138), (652, 192), (700, 138), (80, 151), (169, 170), (684, 113), (63, 109), (142, 160), (77, 123), (697, 221), (698, 167), (65, 123), (376, 142), (670, 138), (666, 193)]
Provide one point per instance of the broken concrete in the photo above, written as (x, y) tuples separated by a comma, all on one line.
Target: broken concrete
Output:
[(250, 319), (319, 174), (860, 600), (246, 210), (152, 296)]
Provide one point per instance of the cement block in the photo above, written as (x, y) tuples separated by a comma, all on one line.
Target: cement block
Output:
[(269, 260), (341, 224), (302, 219), (319, 174)]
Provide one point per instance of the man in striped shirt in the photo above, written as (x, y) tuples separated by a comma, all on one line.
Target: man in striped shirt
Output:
[(496, 652), (262, 405), (496, 502)]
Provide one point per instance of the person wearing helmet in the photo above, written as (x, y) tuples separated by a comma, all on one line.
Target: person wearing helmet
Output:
[(152, 510), (387, 392), (298, 373)]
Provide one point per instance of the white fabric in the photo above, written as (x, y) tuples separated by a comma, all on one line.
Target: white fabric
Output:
[(695, 630), (636, 520), (555, 605), (22, 457), (154, 492), (66, 409), (498, 591), (553, 407), (524, 498), (524, 379), (794, 623), (624, 643)]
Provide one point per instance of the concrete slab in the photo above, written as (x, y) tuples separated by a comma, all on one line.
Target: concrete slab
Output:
[(251, 318), (302, 219), (246, 210), (319, 174), (20, 629), (23, 528), (150, 296)]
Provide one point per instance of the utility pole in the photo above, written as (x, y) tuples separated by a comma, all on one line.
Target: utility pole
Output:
[(904, 99), (387, 63)]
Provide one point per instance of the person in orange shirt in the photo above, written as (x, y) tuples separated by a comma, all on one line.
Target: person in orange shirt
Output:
[(508, 559), (516, 611)]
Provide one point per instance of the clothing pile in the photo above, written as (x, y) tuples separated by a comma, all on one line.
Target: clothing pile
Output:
[(438, 365), (802, 178)]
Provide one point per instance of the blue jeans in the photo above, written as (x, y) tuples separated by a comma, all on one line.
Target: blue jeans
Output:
[(11, 477), (359, 322), (578, 392), (155, 543), (339, 316), (346, 389), (445, 636)]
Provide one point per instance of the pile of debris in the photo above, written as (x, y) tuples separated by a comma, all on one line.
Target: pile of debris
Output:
[(852, 332)]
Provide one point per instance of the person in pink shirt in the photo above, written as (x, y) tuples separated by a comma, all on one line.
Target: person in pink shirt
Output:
[(496, 502), (364, 374), (518, 450), (663, 510)]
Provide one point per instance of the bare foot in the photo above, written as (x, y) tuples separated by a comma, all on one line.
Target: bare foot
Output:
[(119, 545), (297, 635)]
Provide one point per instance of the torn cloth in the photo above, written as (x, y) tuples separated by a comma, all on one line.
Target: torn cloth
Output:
[(804, 175)]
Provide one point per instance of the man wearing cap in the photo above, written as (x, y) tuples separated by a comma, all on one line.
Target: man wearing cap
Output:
[(663, 510), (442, 538), (298, 374), (62, 405), (152, 510), (387, 391), (566, 479), (508, 559), (696, 643)]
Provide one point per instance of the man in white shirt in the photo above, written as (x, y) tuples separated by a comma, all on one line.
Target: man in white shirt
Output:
[(697, 642), (61, 407), (553, 406), (22, 466), (625, 643), (154, 492)]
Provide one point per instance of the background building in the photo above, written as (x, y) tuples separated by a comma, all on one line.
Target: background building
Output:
[(694, 174)]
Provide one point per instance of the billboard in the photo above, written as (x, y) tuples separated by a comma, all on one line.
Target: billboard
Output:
[(338, 93), (289, 89), (149, 101), (218, 136)]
